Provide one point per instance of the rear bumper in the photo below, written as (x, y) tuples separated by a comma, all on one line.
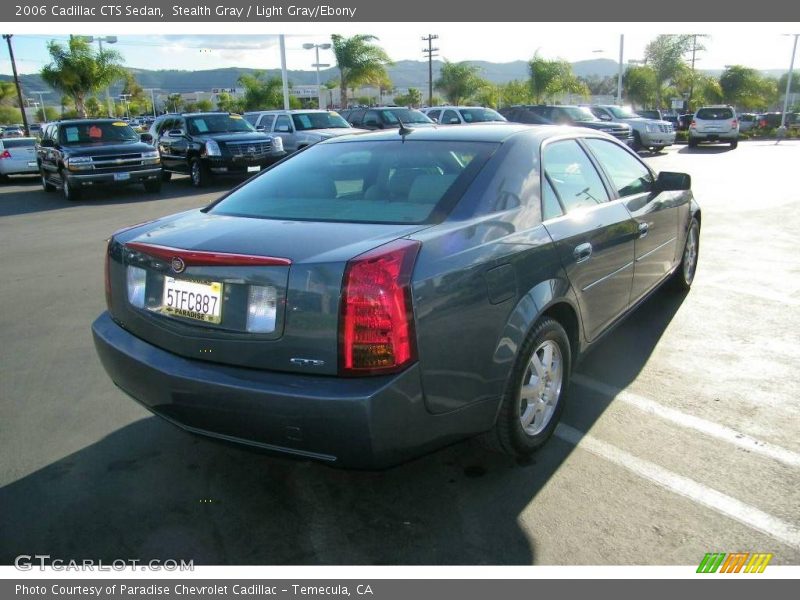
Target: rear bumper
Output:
[(369, 422), (140, 176), (714, 136), (18, 167)]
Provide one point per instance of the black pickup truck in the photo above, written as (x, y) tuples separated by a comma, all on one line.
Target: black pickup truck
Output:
[(212, 144), (80, 154)]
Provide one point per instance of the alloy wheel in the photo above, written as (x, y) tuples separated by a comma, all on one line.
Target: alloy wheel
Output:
[(541, 388)]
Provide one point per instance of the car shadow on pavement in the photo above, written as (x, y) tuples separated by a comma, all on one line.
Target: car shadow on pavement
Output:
[(706, 149), (25, 196), (149, 491)]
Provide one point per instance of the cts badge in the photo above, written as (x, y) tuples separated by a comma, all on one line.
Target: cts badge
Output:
[(177, 265)]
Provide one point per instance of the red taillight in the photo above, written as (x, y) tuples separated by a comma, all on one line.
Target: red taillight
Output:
[(376, 332), (734, 123), (5, 154), (108, 275), (693, 124)]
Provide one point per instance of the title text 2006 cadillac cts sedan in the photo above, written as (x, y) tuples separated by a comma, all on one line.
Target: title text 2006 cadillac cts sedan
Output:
[(378, 296)]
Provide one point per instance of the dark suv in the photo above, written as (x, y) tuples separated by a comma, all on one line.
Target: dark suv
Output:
[(578, 116), (212, 143), (385, 117), (84, 153)]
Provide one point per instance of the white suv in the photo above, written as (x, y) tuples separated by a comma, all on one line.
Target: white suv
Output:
[(462, 115), (714, 124)]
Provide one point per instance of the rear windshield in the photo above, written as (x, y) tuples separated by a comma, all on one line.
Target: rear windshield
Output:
[(370, 182), (714, 114), (18, 143), (97, 133), (326, 120), (406, 115)]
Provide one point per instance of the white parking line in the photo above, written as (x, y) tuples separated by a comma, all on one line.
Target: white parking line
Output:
[(721, 432), (683, 486)]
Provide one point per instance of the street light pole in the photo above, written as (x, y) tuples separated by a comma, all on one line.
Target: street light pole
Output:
[(782, 130), (619, 74), (284, 74), (317, 65)]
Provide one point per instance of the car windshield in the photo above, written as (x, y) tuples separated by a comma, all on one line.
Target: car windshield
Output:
[(480, 115), (319, 120), (714, 114), (579, 113), (406, 115), (620, 112), (387, 181), (97, 132), (221, 123)]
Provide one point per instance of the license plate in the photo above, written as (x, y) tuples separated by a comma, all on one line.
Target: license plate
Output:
[(32, 163), (122, 176), (254, 169), (193, 299)]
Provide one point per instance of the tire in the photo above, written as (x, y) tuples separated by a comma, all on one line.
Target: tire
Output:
[(692, 143), (152, 187), (46, 185), (657, 148), (637, 141), (166, 175), (734, 144), (684, 275), (70, 193), (199, 173), (547, 392)]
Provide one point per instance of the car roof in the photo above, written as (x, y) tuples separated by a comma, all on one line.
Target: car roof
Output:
[(291, 111), (459, 106), (87, 120), (478, 132)]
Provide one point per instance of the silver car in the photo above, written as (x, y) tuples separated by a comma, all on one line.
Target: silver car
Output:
[(651, 134), (300, 128), (18, 157)]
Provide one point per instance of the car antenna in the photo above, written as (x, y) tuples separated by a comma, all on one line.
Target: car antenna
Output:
[(404, 131)]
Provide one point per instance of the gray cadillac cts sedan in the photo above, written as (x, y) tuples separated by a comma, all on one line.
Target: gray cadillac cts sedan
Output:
[(378, 296)]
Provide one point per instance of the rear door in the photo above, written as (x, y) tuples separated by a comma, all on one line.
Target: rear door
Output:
[(656, 215), (284, 129), (594, 237)]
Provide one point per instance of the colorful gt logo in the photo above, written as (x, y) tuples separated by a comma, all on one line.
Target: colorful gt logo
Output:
[(734, 563)]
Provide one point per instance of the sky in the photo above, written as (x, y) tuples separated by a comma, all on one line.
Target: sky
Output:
[(762, 46)]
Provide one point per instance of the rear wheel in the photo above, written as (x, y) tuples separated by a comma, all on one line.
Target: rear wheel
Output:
[(535, 393), (46, 185), (684, 276), (637, 141), (71, 194), (201, 176), (734, 144), (657, 148)]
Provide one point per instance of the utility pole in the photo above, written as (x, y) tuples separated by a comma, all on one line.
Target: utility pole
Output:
[(430, 52), (16, 82), (691, 81)]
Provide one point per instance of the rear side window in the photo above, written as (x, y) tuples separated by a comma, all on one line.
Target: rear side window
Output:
[(573, 175), (715, 114), (628, 175), (434, 114), (372, 182), (266, 122)]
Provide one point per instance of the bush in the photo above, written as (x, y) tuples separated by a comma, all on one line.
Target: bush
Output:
[(681, 136)]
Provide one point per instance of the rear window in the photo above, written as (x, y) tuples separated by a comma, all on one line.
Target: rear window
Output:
[(325, 120), (714, 114), (18, 143), (369, 182), (217, 123), (480, 115)]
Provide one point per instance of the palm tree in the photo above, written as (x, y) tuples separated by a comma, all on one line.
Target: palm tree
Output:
[(359, 61), (8, 93), (77, 71)]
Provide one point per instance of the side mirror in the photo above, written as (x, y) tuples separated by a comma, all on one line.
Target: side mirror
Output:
[(261, 128), (454, 121), (176, 133), (673, 182), (282, 129), (146, 138), (47, 143), (604, 117), (434, 119)]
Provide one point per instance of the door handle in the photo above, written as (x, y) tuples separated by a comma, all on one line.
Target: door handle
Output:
[(643, 229), (582, 252)]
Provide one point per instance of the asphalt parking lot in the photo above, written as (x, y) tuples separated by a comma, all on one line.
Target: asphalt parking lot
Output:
[(680, 437)]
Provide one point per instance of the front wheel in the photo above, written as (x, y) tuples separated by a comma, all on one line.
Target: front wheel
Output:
[(201, 176), (535, 393), (71, 194), (46, 185), (657, 148), (684, 276)]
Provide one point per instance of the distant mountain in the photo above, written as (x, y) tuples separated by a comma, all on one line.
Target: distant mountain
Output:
[(404, 74)]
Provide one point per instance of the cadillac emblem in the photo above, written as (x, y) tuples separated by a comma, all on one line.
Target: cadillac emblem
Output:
[(177, 264)]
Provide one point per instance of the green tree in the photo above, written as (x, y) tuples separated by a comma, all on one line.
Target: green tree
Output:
[(639, 84), (795, 89), (599, 85), (94, 108), (228, 103), (10, 115), (743, 87), (46, 114), (515, 92), (76, 70), (488, 95), (261, 92), (174, 102), (550, 78), (665, 55), (330, 85), (205, 105), (707, 90), (459, 81), (359, 62), (411, 98)]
